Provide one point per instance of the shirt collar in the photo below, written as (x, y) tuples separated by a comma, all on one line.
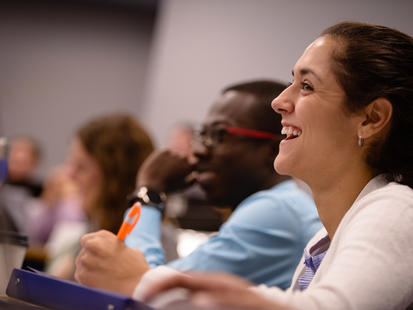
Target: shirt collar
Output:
[(375, 183)]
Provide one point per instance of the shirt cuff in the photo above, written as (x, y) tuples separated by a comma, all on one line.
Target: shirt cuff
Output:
[(149, 223), (150, 278)]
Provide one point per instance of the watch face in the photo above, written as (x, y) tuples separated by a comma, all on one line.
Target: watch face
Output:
[(143, 194)]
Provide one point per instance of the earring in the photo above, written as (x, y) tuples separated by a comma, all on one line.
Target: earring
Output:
[(360, 141)]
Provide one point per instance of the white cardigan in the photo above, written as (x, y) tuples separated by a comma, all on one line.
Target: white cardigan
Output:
[(369, 265)]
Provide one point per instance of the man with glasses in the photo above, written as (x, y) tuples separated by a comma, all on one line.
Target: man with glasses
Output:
[(234, 151)]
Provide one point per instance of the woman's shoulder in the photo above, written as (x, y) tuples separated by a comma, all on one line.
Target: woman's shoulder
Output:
[(383, 208), (392, 192), (379, 191)]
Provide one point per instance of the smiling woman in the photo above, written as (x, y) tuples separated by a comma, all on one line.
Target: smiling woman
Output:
[(347, 115)]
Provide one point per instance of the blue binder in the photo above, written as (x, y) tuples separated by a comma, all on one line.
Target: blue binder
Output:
[(51, 292)]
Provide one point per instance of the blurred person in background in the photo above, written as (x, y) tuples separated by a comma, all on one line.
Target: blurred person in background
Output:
[(59, 202), (104, 157), (24, 160), (6, 221), (22, 186)]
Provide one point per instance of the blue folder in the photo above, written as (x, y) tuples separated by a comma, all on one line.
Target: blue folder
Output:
[(51, 292)]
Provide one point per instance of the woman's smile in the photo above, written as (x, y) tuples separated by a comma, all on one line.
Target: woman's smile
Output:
[(291, 132)]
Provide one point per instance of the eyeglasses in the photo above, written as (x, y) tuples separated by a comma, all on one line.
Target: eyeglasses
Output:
[(214, 135)]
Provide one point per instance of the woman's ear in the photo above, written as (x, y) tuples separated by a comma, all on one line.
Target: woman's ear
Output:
[(377, 116)]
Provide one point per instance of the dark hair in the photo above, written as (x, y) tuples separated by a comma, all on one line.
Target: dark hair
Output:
[(264, 91), (377, 62), (119, 144)]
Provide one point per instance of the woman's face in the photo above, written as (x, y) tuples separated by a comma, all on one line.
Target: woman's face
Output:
[(84, 170), (320, 132)]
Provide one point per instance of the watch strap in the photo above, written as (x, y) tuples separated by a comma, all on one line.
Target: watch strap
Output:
[(148, 197)]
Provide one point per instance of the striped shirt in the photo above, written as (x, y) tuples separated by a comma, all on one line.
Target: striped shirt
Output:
[(312, 260)]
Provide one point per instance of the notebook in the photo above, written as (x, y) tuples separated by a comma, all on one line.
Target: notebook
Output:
[(51, 292)]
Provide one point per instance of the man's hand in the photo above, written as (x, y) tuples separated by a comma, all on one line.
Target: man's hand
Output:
[(165, 171), (106, 262)]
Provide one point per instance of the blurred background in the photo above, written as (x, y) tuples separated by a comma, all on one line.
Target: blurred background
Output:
[(63, 62)]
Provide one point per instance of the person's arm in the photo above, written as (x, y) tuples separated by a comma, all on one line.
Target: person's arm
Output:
[(146, 236), (162, 172), (260, 242), (208, 291)]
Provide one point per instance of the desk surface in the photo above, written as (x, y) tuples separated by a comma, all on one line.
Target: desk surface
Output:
[(8, 303)]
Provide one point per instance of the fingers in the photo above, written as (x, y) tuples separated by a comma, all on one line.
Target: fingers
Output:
[(95, 247), (97, 241), (177, 280), (196, 282), (164, 171), (83, 269), (105, 262), (215, 290)]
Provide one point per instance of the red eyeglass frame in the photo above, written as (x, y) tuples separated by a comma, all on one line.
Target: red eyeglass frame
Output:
[(251, 133)]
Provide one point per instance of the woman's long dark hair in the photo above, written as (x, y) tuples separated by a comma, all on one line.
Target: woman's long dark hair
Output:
[(377, 62)]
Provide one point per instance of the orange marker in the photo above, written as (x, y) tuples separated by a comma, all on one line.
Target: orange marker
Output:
[(130, 221)]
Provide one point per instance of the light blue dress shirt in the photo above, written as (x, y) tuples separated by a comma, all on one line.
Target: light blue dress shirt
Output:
[(262, 241)]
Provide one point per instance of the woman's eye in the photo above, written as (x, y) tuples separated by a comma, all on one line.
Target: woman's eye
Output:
[(306, 86)]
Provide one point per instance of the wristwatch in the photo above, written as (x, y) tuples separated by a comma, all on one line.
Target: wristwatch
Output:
[(148, 197)]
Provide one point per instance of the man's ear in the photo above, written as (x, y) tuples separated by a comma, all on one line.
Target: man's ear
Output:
[(377, 116)]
